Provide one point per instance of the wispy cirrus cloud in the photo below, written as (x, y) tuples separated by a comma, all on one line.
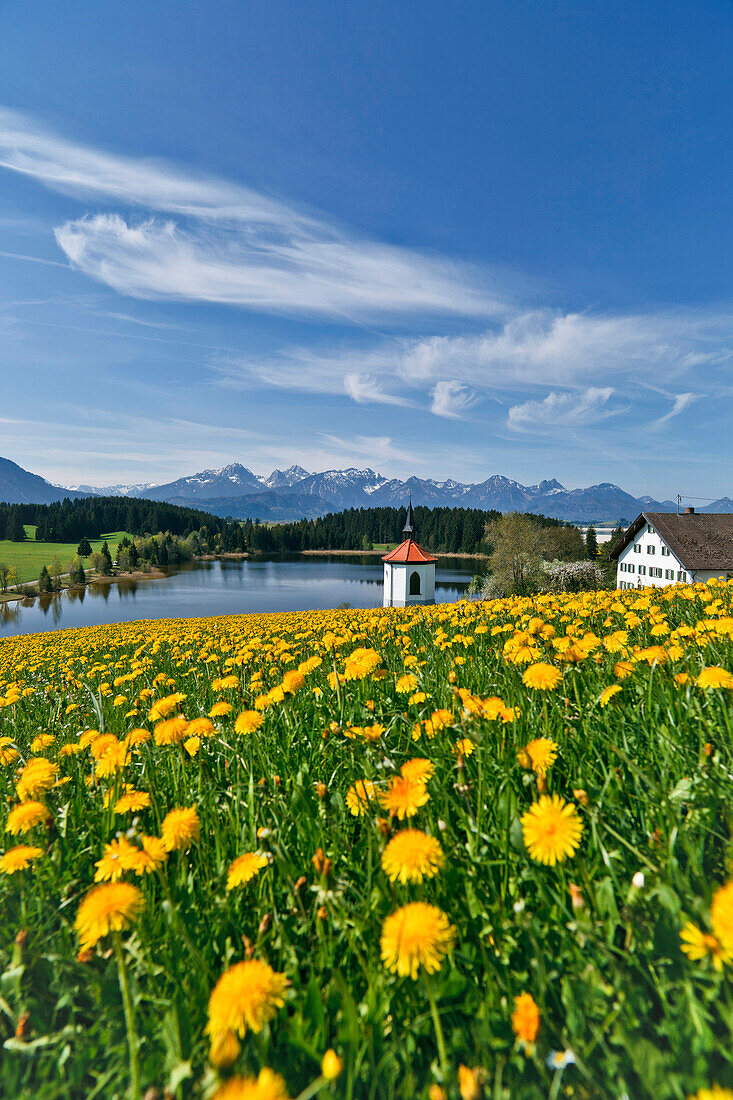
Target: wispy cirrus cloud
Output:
[(451, 399), (531, 352), (682, 401), (208, 240), (562, 410)]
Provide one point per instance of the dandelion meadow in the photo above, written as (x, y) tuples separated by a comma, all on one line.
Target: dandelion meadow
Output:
[(480, 849)]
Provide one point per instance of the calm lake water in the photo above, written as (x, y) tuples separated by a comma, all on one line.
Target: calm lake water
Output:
[(226, 588)]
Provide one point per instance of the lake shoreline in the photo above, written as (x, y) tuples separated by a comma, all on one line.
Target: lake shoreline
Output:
[(381, 553)]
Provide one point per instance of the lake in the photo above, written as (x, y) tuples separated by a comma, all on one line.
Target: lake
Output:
[(261, 584)]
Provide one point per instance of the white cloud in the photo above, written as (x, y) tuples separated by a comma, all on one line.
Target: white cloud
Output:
[(222, 242), (681, 402), (561, 410), (451, 399), (366, 390)]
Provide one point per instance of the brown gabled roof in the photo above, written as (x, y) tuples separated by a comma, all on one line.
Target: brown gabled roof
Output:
[(701, 540), (409, 551)]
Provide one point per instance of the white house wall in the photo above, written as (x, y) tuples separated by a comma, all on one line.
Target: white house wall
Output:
[(645, 553)]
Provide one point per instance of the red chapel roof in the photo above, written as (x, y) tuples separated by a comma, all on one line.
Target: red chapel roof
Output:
[(409, 551)]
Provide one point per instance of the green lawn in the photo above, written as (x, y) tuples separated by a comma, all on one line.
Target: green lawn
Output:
[(30, 556)]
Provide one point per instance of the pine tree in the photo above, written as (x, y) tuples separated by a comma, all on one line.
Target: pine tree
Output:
[(84, 548), (591, 543), (45, 583), (16, 530)]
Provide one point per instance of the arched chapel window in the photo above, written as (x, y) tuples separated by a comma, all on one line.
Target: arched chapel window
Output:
[(415, 583)]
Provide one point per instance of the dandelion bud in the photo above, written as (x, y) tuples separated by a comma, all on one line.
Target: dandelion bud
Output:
[(707, 748), (638, 880), (22, 938), (327, 867), (581, 796), (321, 790), (300, 883), (276, 780), (576, 896), (437, 1093), (541, 784), (318, 860), (224, 1049), (23, 1027), (452, 677), (263, 833), (322, 913), (249, 947), (265, 923), (370, 707), (442, 825), (331, 1065), (384, 826)]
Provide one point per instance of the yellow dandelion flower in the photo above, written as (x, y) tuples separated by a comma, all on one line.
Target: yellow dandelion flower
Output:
[(417, 935), (219, 710), (266, 1086), (608, 693), (404, 796), (551, 829), (406, 684), (418, 768), (165, 706), (525, 1018), (714, 1092), (361, 663), (721, 915), (538, 756), (19, 858), (698, 945), (412, 856), (118, 857), (541, 677), (27, 816), (192, 745), (132, 802), (714, 677), (359, 795), (244, 868), (38, 744), (171, 731), (248, 721), (150, 857), (180, 829), (201, 727), (37, 777), (8, 752), (112, 907), (246, 996)]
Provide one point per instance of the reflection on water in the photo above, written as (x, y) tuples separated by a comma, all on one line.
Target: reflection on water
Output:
[(263, 584)]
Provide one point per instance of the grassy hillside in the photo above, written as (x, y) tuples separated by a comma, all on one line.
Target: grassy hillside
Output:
[(30, 556), (475, 850)]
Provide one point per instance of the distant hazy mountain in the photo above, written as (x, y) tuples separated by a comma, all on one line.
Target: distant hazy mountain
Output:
[(18, 486), (725, 504), (138, 490), (293, 493), (234, 480)]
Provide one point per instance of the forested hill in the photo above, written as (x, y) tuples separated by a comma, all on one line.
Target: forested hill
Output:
[(447, 530), (71, 520)]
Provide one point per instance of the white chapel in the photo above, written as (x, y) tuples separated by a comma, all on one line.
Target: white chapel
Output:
[(409, 571)]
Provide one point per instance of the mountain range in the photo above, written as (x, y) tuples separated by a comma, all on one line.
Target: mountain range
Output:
[(292, 494)]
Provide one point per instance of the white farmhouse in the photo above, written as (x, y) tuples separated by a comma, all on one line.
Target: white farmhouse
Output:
[(664, 548), (409, 571)]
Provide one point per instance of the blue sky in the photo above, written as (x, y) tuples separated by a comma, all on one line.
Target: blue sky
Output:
[(443, 239)]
